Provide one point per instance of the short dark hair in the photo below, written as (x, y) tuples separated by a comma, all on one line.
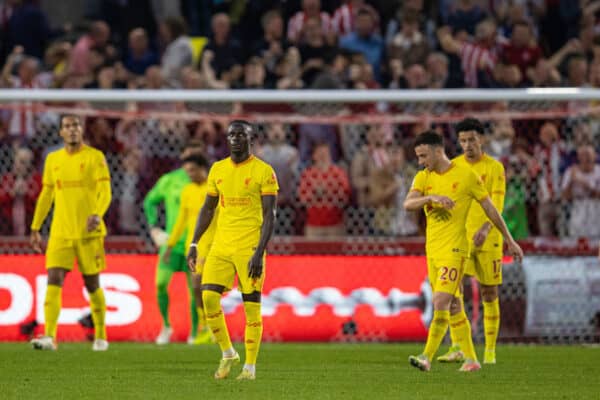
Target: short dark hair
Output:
[(67, 115), (364, 11), (430, 138), (470, 124), (242, 122), (176, 26), (197, 159)]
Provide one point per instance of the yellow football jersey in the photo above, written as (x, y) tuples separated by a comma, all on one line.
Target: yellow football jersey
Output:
[(193, 196), (79, 186), (445, 232), (240, 188), (491, 173)]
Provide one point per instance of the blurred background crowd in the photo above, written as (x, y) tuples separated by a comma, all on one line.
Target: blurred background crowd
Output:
[(337, 178)]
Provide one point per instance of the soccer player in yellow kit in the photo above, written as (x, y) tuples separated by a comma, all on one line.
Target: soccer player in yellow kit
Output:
[(192, 199), (245, 190), (76, 179), (485, 241), (446, 190)]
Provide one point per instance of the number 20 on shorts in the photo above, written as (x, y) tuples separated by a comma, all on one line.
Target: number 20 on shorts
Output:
[(450, 274)]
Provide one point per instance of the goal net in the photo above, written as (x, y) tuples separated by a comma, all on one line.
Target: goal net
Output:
[(347, 262)]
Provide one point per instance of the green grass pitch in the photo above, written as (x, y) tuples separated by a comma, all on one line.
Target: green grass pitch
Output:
[(293, 371)]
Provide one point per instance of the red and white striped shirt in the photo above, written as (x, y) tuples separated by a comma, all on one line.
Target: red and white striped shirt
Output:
[(22, 120), (343, 20), (296, 24), (473, 57)]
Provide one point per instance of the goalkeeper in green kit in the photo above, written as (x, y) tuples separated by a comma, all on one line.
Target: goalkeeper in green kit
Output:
[(167, 190)]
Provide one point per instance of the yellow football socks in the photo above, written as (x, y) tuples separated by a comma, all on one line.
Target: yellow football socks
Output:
[(437, 331), (453, 331), (215, 318), (491, 323), (52, 306), (253, 333), (98, 306), (201, 318), (459, 323)]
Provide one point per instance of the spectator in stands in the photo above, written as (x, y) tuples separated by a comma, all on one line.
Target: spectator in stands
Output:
[(416, 77), (581, 187), (373, 156), (395, 23), (361, 77), (273, 46), (410, 44), (522, 50), (18, 192), (154, 80), (288, 71), (254, 74), (580, 135), (22, 119), (577, 72), (310, 9), (501, 141), (324, 190), (395, 71), (437, 69), (139, 55), (464, 16), (212, 134), (56, 60), (389, 188), (222, 58), (178, 50), (97, 38), (315, 53), (284, 158), (100, 134), (343, 21), (334, 75), (129, 193), (515, 201), (549, 152), (480, 55), (310, 135), (366, 41), (543, 74), (106, 79), (28, 27)]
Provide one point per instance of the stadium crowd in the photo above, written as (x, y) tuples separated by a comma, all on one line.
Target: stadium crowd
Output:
[(335, 178)]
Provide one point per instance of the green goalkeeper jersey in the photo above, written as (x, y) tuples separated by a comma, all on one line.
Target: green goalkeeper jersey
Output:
[(168, 190)]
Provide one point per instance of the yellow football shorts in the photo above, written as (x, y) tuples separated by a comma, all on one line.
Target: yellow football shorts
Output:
[(445, 273), (486, 266), (89, 254), (222, 266), (201, 256)]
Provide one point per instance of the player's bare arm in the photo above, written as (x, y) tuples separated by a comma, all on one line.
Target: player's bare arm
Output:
[(269, 207), (93, 222), (482, 233), (204, 219), (494, 216), (416, 201), (35, 239)]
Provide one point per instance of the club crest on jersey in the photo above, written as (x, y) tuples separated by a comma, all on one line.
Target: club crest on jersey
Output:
[(247, 182), (454, 186), (219, 181), (483, 176)]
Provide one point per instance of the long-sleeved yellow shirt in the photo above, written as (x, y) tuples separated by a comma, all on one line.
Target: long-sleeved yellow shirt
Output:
[(79, 186), (193, 196)]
